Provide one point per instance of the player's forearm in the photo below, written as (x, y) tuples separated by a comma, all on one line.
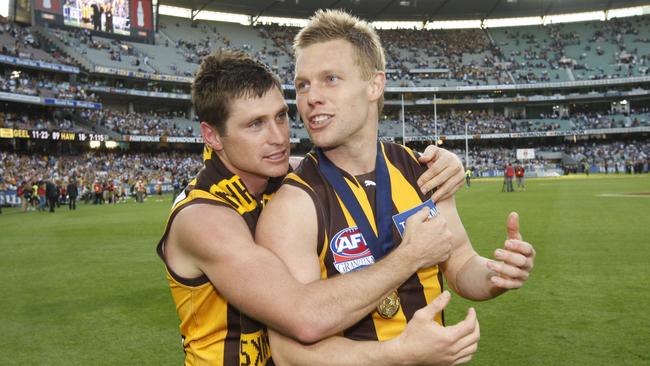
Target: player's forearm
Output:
[(473, 280), (341, 301), (335, 350)]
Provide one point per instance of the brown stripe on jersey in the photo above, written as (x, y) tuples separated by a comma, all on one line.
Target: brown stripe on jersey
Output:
[(411, 294), (231, 346), (364, 330)]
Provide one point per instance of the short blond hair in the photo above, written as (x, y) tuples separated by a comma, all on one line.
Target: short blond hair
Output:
[(331, 25)]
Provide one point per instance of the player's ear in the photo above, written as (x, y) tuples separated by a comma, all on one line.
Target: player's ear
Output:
[(211, 136), (376, 85)]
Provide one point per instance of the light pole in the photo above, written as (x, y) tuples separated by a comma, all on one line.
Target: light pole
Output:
[(403, 127), (435, 117), (466, 147)]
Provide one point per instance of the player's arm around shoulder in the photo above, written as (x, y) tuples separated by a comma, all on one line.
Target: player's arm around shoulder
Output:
[(215, 241), (288, 226)]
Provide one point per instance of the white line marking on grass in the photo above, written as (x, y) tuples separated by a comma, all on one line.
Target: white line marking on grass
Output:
[(635, 195)]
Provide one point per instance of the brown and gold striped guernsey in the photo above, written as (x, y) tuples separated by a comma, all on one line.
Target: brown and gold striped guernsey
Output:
[(340, 244), (213, 331)]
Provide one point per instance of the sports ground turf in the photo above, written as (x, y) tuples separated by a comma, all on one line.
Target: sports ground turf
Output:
[(86, 288)]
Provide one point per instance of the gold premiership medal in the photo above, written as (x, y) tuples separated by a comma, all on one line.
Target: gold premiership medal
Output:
[(389, 306)]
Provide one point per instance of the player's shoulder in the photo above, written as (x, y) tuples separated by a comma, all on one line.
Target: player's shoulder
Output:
[(396, 150), (194, 224), (402, 157), (306, 174)]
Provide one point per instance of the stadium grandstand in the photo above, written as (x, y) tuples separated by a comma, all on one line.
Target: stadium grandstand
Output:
[(569, 80), (96, 99)]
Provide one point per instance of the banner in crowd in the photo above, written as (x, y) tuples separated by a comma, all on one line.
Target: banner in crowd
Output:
[(177, 139), (38, 64), (140, 93), (19, 133), (525, 154), (32, 99), (71, 103), (142, 75), (599, 131)]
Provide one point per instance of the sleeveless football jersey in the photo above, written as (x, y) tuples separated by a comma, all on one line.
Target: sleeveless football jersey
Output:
[(213, 331), (341, 246)]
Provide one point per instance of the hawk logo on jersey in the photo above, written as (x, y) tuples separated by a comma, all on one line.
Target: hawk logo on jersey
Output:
[(350, 251)]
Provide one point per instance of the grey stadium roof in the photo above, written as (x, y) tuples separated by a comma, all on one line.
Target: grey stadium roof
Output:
[(408, 10)]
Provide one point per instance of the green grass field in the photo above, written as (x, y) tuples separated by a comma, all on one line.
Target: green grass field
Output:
[(86, 287)]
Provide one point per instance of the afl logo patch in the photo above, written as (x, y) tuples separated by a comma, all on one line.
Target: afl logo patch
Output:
[(350, 251)]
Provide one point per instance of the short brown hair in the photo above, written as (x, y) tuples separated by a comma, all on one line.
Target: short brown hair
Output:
[(224, 76), (332, 25)]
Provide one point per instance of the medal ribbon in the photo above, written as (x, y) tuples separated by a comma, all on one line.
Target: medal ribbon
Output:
[(378, 245)]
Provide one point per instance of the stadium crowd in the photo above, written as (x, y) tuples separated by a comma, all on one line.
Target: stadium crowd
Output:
[(466, 57), (615, 157), (100, 177), (45, 87), (19, 42), (612, 157), (56, 120), (133, 123), (484, 123), (591, 51)]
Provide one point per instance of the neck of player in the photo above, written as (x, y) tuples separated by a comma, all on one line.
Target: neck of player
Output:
[(358, 154), (255, 184)]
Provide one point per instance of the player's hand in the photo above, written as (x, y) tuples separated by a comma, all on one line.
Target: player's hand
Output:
[(425, 342), (427, 239), (445, 172), (515, 261)]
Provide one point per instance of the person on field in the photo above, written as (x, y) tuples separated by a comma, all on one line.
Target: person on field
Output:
[(521, 180)]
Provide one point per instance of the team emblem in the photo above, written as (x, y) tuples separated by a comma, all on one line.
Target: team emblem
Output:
[(350, 250)]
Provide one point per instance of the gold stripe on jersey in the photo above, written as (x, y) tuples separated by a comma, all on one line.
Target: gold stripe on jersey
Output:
[(410, 152), (404, 201), (296, 177), (202, 342), (192, 196)]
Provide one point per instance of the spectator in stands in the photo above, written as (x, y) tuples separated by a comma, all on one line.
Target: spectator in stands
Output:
[(109, 18), (97, 16)]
